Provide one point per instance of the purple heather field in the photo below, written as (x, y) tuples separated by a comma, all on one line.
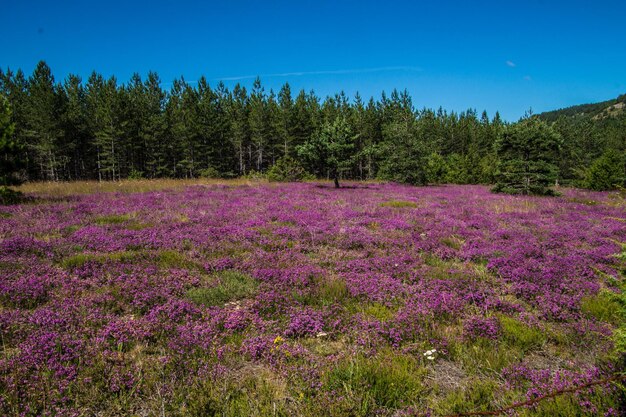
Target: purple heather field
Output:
[(299, 299)]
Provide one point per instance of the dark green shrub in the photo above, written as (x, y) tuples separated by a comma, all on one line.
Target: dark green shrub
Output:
[(607, 172), (287, 169)]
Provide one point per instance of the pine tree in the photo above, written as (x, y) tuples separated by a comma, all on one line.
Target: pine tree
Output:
[(608, 172), (11, 151), (76, 147), (14, 87), (238, 110), (403, 150), (42, 121), (302, 119), (331, 150), (257, 121), (182, 119), (104, 125), (527, 151), (285, 103), (153, 127)]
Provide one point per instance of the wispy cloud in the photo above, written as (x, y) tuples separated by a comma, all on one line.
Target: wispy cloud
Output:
[(527, 77), (330, 72), (510, 64)]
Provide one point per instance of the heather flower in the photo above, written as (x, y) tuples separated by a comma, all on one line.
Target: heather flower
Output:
[(477, 326)]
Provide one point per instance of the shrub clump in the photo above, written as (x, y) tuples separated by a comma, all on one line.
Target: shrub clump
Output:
[(287, 169)]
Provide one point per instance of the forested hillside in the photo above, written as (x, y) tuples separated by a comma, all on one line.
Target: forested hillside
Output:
[(102, 129)]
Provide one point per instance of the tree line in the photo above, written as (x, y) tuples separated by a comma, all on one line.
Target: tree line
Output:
[(102, 129)]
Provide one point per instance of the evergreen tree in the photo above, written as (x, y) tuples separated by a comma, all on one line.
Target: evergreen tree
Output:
[(182, 129), (42, 121), (285, 131), (152, 131), (302, 120), (527, 152), (76, 146), (330, 151), (104, 125), (107, 130), (403, 149), (257, 122), (238, 111), (14, 87), (607, 172), (11, 151)]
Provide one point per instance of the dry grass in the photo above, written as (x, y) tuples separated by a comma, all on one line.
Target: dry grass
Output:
[(63, 189), (514, 206)]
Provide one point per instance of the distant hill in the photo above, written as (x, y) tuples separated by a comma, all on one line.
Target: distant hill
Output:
[(596, 111)]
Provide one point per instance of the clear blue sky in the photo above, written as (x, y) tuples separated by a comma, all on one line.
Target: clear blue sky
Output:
[(499, 55)]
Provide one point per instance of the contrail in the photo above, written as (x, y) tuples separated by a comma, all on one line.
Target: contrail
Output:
[(330, 72)]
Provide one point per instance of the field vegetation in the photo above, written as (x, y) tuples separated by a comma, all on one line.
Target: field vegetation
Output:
[(236, 298)]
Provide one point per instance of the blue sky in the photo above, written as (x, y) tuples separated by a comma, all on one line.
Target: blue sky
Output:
[(506, 56)]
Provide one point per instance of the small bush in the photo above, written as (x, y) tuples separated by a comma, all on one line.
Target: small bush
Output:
[(287, 169), (607, 172), (231, 285), (9, 196), (135, 175), (209, 172), (254, 175)]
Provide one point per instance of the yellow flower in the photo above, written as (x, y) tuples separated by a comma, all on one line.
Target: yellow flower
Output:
[(278, 340)]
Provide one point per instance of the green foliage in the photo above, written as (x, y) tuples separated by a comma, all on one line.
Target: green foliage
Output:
[(10, 153), (111, 219), (483, 357), (330, 150), (9, 196), (104, 130), (618, 303), (175, 259), (80, 259), (479, 395), (456, 172), (607, 172), (399, 204), (254, 175), (135, 175), (257, 392), (389, 380), (43, 127), (209, 172), (521, 335), (287, 169), (527, 152), (403, 148), (436, 169), (229, 286)]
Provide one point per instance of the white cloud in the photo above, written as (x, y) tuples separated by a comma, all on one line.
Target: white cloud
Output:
[(510, 64), (330, 72)]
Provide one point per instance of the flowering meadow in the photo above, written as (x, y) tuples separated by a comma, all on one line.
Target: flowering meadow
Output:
[(301, 299)]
